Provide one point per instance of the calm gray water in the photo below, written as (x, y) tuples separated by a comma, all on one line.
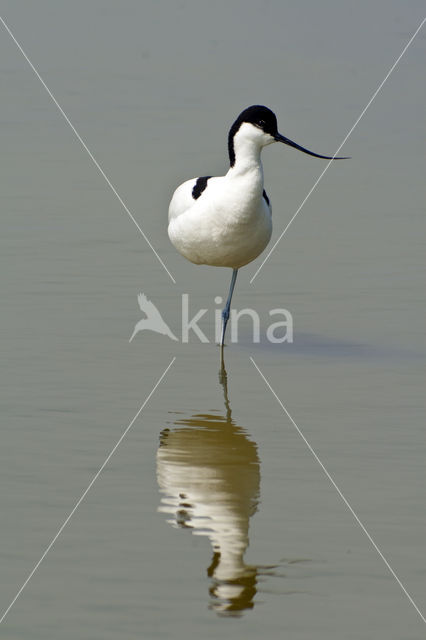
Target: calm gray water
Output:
[(213, 518)]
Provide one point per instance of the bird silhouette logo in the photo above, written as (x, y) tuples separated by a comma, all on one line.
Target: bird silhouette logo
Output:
[(153, 320)]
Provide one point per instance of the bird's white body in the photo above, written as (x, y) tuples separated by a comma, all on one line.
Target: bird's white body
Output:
[(229, 224)]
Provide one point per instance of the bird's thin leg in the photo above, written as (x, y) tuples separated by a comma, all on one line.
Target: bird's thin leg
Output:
[(225, 312)]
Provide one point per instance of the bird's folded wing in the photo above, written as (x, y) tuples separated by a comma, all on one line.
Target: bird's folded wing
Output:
[(182, 199)]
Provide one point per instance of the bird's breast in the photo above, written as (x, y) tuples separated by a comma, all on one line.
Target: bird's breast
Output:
[(228, 225)]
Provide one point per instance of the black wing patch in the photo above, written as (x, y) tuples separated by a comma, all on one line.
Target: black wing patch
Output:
[(199, 187), (266, 197)]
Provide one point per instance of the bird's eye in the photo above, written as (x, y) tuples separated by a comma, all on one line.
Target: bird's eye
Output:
[(261, 123)]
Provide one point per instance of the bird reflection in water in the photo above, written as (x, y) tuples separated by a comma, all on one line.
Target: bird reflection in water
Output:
[(209, 474)]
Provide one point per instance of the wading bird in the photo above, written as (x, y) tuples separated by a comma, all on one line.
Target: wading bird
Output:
[(226, 221)]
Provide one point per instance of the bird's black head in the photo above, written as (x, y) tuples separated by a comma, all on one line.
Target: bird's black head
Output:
[(260, 117), (266, 120)]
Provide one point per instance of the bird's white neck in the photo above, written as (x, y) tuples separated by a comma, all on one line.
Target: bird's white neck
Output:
[(247, 153)]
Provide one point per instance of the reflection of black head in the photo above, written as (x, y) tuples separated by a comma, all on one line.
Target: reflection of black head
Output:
[(240, 592)]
